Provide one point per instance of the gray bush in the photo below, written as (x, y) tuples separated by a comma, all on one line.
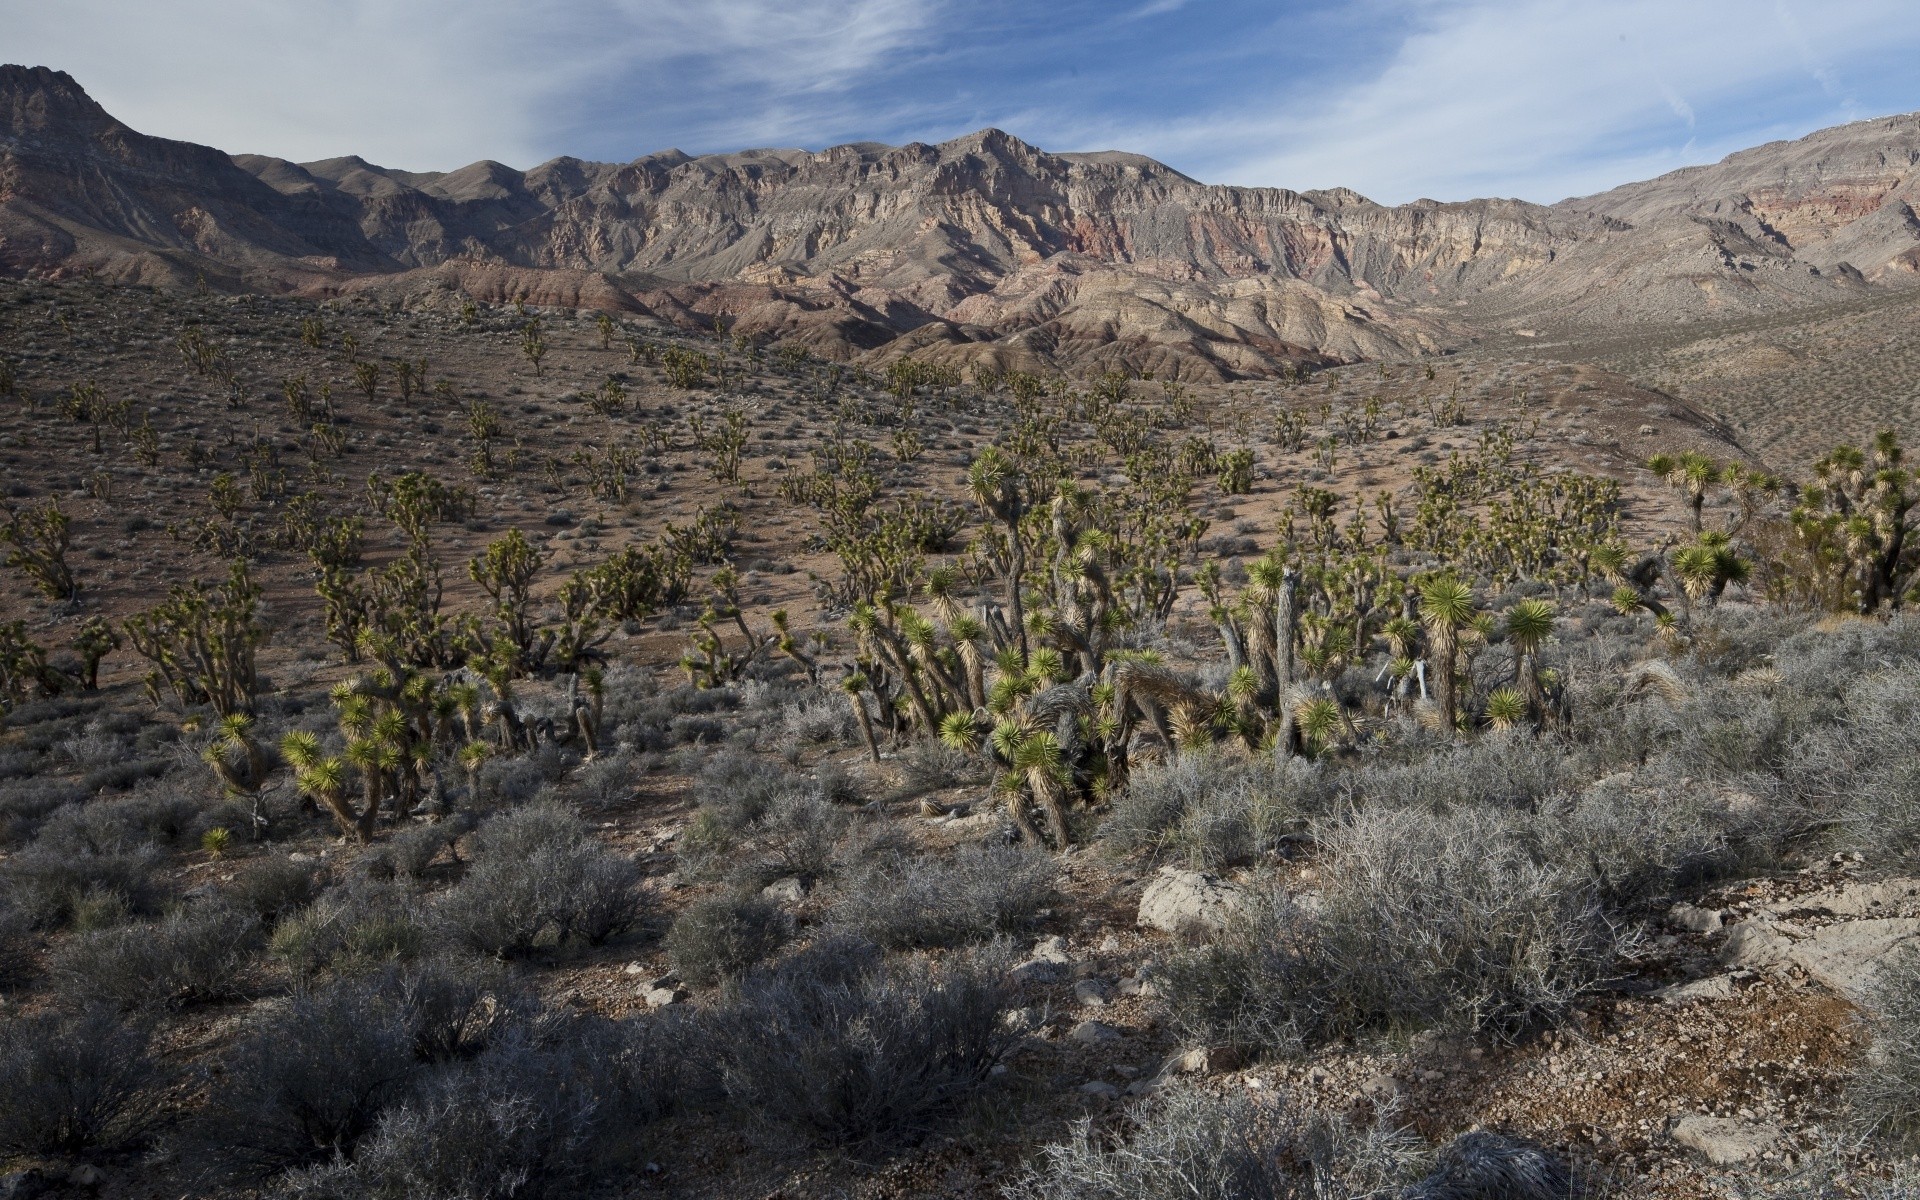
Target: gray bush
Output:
[(17, 942), (306, 1083), (1211, 809), (1885, 1093), (351, 929), (1186, 1144), (1427, 921), (194, 954), (975, 892), (51, 884), (541, 879), (524, 1118), (835, 1048), (69, 1082), (722, 936), (928, 764), (273, 889)]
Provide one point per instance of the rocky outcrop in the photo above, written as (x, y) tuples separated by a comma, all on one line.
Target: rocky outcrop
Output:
[(1179, 901), (983, 250)]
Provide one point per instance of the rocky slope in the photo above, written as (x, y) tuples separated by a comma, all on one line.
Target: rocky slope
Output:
[(979, 250)]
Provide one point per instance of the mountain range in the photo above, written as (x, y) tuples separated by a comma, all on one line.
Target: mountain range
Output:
[(981, 250)]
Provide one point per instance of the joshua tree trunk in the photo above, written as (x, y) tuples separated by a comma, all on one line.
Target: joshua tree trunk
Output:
[(1284, 620), (1047, 791), (363, 826), (1445, 651), (865, 722)]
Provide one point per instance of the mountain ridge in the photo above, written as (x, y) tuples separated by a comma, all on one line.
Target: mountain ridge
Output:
[(980, 250)]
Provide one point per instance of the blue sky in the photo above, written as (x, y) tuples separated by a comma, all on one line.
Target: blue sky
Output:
[(1397, 99)]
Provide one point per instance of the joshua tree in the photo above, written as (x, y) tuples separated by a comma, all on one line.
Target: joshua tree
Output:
[(1692, 474), (1529, 624), (533, 343), (94, 642), (38, 542), (367, 375), (1446, 607), (505, 572), (202, 640), (240, 763)]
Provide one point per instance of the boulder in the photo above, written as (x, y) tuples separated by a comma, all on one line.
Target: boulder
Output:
[(790, 890), (1716, 987), (1051, 949), (1847, 956), (1100, 1090), (1206, 1060), (1094, 1032), (661, 995), (1091, 993), (1040, 971), (1755, 943), (1856, 899), (1724, 1141), (1694, 920), (1182, 900)]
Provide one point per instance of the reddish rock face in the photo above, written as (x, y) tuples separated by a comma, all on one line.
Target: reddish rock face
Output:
[(980, 250)]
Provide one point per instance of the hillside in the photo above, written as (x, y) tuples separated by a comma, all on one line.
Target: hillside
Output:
[(979, 250)]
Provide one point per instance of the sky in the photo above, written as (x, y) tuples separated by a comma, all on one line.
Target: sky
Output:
[(1397, 99)]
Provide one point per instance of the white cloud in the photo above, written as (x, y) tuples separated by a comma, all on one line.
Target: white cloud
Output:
[(1538, 98), (434, 84)]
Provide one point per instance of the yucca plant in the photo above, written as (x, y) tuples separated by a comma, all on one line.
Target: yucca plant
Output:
[(1506, 707), (1446, 608), (1529, 624)]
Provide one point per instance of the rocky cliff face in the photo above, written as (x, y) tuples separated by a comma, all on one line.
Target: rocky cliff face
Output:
[(983, 249)]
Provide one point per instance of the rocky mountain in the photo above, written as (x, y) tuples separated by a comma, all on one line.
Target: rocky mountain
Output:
[(983, 249)]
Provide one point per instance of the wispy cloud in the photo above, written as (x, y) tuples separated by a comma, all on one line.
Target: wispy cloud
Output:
[(439, 83), (1546, 98), (1396, 98)]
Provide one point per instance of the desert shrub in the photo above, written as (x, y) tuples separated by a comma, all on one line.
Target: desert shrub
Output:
[(509, 781), (1186, 1144), (351, 929), (69, 1082), (1513, 770), (193, 954), (719, 937), (414, 850), (1862, 773), (1485, 1164), (49, 884), (924, 900), (307, 1082), (121, 776), (273, 889), (801, 834), (1210, 809), (1644, 837), (25, 803), (816, 717), (929, 765), (1885, 1092), (540, 878), (737, 789), (606, 780), (17, 943), (525, 1118), (1428, 920), (834, 1047), (514, 1123)]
